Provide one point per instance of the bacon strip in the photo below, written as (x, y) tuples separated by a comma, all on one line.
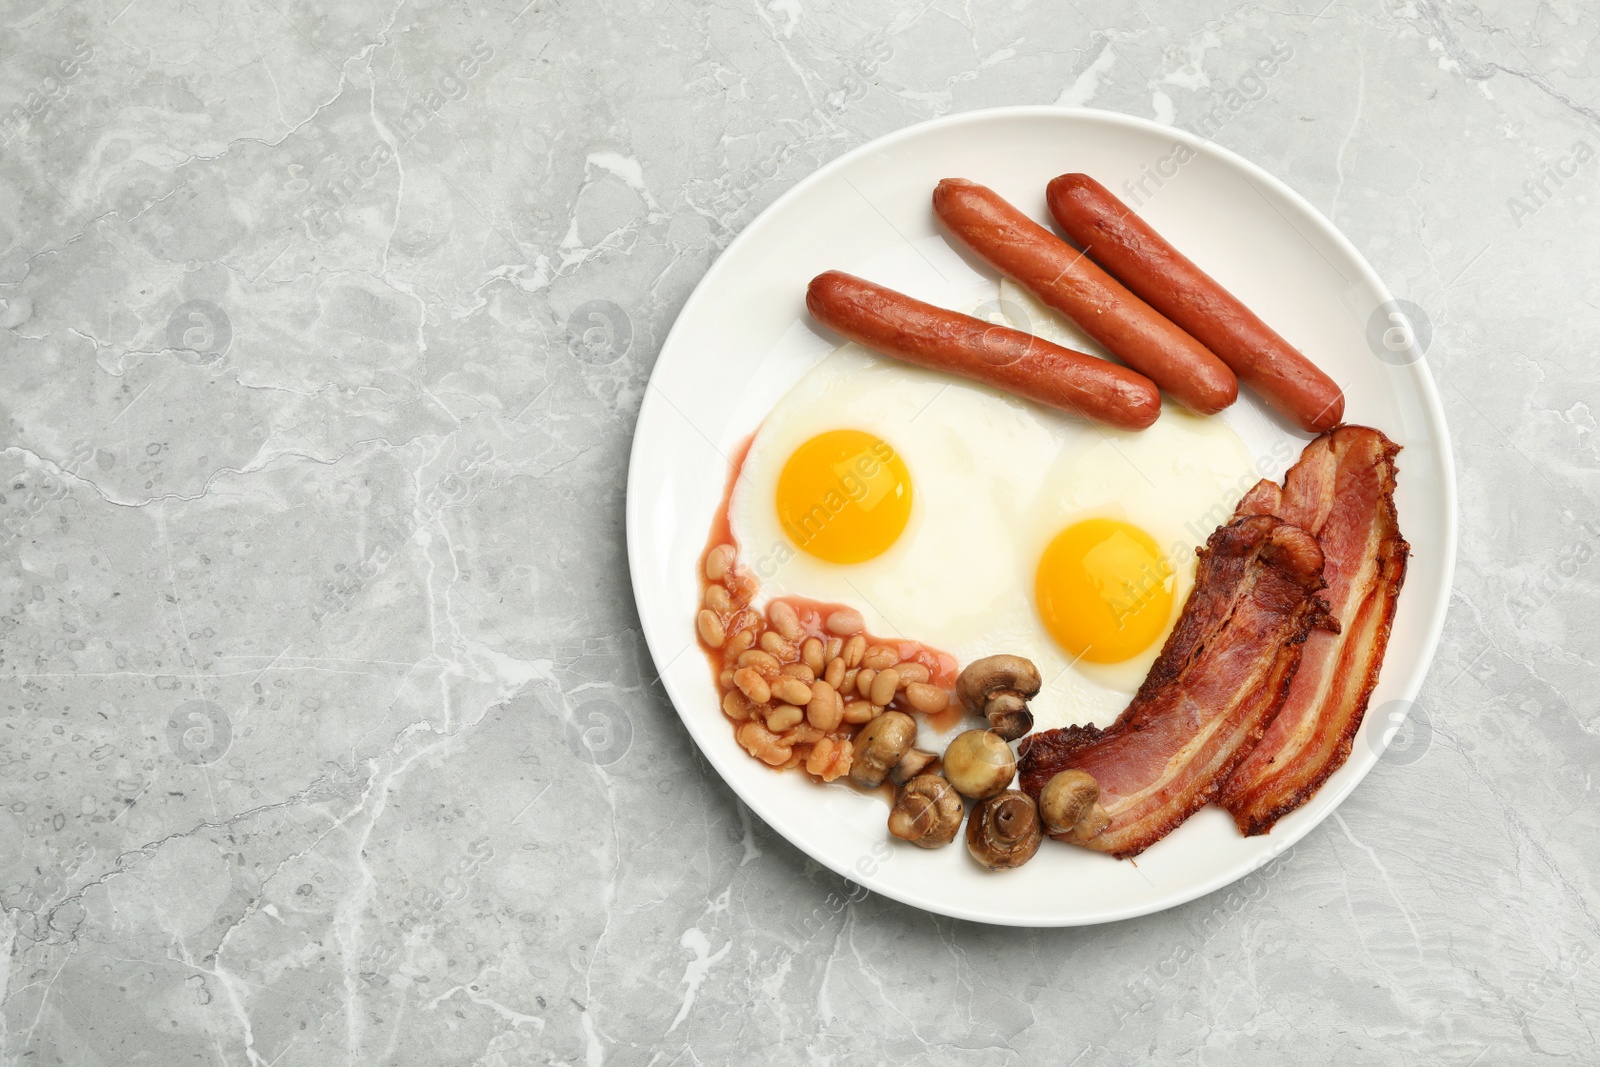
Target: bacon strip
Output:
[(1219, 680), (1342, 490)]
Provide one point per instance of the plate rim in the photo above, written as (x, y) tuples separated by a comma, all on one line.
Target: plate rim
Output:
[(636, 522)]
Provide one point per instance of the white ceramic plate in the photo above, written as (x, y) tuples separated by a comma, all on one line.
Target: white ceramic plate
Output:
[(742, 341)]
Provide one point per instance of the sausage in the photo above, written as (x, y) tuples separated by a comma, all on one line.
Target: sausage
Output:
[(1062, 277), (926, 336), (1143, 261)]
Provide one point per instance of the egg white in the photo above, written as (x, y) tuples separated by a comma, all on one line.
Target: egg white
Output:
[(995, 478)]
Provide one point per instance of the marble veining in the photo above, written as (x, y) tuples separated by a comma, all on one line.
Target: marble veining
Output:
[(328, 734)]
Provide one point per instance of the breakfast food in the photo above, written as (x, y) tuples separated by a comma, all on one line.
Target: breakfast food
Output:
[(992, 483), (880, 744), (994, 523), (999, 688), (1111, 234), (1003, 831), (927, 812), (979, 764), (926, 336), (1341, 491), (798, 678), (1065, 279), (1066, 799), (800, 692), (1219, 680)]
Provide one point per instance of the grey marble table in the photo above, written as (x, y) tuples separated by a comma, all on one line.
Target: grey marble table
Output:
[(328, 734)]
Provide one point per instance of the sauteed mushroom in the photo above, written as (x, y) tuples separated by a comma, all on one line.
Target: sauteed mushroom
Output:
[(1066, 798), (913, 763), (979, 764), (927, 812), (1093, 822), (879, 746), (999, 688), (1004, 831)]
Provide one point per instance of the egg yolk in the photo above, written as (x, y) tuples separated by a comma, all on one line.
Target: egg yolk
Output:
[(844, 496), (1104, 590)]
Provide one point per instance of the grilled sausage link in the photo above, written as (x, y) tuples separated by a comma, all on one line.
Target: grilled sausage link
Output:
[(1141, 259), (897, 325), (1070, 282)]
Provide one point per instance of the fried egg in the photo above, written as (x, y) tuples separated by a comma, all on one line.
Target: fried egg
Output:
[(977, 523)]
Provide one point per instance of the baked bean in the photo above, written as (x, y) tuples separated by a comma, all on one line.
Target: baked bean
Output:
[(834, 648), (825, 709), (710, 627), (878, 657), (735, 706), (782, 717), (760, 743), (811, 654), (739, 642), (718, 600), (753, 685), (718, 562), (777, 646), (830, 759), (911, 672), (817, 758), (804, 734), (763, 662), (854, 649), (857, 712), (800, 671), (792, 691), (885, 686), (928, 699), (838, 716), (726, 678), (835, 672), (864, 679), (784, 620), (845, 621), (847, 684)]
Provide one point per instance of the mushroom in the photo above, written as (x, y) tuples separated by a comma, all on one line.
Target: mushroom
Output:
[(879, 746), (999, 688), (1004, 831), (913, 763), (1089, 827), (1008, 715), (979, 764), (1066, 798), (927, 812)]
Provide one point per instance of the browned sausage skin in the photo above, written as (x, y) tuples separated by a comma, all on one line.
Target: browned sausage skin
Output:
[(908, 329), (1068, 281), (1141, 259)]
